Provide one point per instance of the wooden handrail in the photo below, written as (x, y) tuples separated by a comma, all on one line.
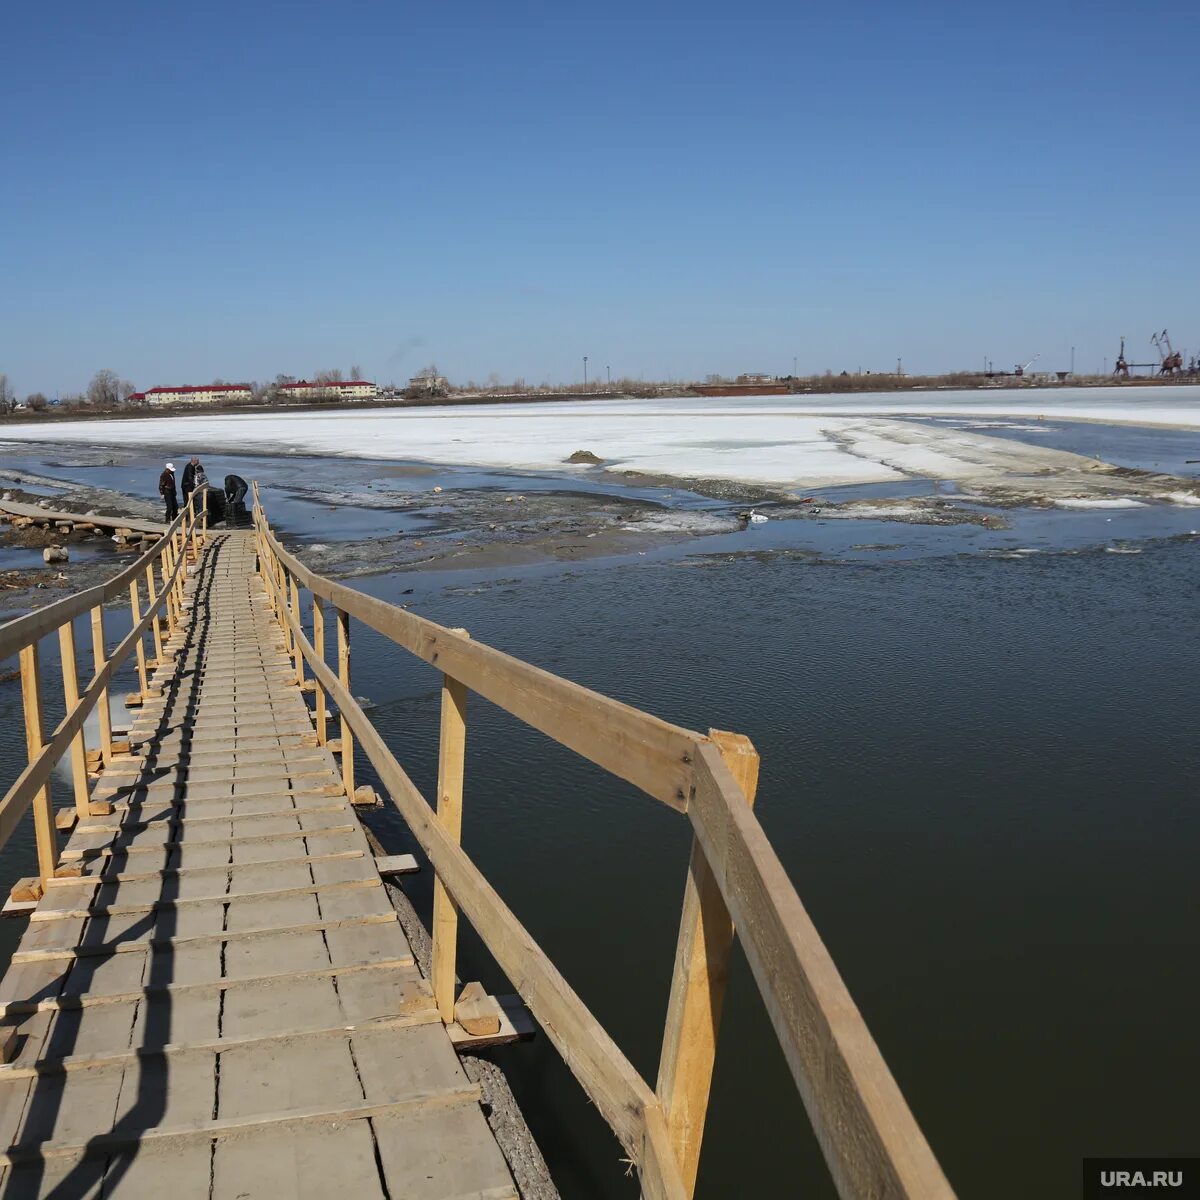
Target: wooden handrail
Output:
[(618, 1091), (869, 1137), (23, 635), (651, 753), (21, 631)]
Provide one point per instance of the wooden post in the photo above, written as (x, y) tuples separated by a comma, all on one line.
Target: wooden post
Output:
[(296, 651), (319, 647), (343, 640), (141, 649), (281, 578), (164, 573), (452, 748), (70, 674), (98, 660), (179, 552), (43, 809), (150, 598), (190, 519), (698, 984)]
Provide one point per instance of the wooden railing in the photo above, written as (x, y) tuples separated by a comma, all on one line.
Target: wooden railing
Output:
[(164, 598), (735, 881)]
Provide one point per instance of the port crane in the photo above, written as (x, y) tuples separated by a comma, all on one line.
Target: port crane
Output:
[(1021, 368), (1171, 359)]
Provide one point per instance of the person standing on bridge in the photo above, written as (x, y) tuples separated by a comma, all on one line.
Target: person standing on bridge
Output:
[(188, 483), (166, 489)]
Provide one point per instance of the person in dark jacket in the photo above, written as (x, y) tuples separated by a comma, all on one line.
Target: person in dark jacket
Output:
[(188, 483), (235, 495), (166, 489)]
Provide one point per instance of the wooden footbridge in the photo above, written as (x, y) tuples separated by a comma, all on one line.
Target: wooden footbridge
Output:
[(213, 997)]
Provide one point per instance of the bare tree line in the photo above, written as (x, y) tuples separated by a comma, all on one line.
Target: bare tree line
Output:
[(107, 391)]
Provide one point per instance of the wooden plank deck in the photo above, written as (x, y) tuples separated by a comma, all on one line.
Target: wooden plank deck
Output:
[(16, 508), (224, 1004)]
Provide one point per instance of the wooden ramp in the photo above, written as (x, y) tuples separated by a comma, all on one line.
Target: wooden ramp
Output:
[(223, 1005)]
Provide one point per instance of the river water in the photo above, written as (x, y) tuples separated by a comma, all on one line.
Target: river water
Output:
[(979, 771)]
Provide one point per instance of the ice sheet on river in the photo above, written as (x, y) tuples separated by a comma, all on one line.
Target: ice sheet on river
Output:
[(785, 443)]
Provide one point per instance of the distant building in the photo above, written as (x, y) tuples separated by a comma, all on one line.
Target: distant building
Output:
[(212, 393), (429, 384), (350, 389), (755, 377)]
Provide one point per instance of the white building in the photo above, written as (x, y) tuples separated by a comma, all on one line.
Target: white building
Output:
[(350, 389), (213, 393)]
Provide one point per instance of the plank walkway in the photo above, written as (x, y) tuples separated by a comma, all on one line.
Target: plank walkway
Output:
[(224, 1006)]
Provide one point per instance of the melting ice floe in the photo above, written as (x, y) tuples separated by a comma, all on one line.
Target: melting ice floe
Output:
[(1100, 502), (790, 443)]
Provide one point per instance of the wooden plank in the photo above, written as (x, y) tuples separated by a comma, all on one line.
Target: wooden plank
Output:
[(868, 1135), (396, 864), (299, 1117), (452, 744), (207, 1046), (61, 1003), (70, 676), (227, 868), (318, 620), (112, 910), (43, 809), (313, 1163), (432, 1156), (343, 654), (698, 984), (95, 826), (515, 1024), (17, 508)]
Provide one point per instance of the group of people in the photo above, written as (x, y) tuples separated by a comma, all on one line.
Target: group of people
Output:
[(228, 506)]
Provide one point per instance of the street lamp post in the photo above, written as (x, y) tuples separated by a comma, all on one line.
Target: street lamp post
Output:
[(608, 375), (585, 372)]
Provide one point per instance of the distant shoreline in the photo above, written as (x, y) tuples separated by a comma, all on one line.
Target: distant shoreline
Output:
[(835, 386)]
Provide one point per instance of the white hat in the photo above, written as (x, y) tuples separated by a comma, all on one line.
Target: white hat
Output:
[(170, 466)]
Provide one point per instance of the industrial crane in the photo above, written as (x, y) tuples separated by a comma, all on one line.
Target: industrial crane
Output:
[(1022, 368), (1172, 359), (1122, 367)]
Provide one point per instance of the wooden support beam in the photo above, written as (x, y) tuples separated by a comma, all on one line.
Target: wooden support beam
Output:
[(150, 598), (871, 1142), (139, 648), (343, 647), (698, 984), (452, 747), (70, 674), (98, 661), (299, 658), (43, 809)]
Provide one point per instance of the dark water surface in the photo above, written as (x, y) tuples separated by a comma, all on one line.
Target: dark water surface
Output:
[(979, 772)]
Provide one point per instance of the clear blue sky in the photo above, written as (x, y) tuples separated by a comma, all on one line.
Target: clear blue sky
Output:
[(235, 190)]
